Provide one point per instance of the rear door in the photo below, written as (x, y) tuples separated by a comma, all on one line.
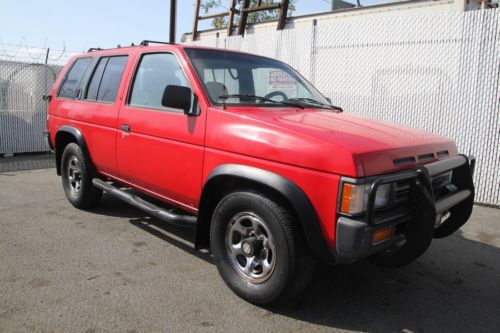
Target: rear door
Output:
[(88, 99), (101, 96), (159, 149)]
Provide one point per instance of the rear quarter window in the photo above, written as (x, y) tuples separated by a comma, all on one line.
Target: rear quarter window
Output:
[(106, 79), (72, 81)]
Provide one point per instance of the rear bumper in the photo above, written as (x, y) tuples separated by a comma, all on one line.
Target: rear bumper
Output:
[(354, 235)]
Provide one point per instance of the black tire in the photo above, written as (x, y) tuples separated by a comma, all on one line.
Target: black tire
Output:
[(77, 178), (292, 265)]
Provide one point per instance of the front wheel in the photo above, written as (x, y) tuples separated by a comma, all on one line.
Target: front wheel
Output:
[(259, 248), (77, 178)]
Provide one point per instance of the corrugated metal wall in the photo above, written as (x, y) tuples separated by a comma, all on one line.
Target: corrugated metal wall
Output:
[(437, 72), (23, 112)]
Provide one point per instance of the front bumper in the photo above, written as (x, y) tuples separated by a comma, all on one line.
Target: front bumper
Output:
[(354, 235)]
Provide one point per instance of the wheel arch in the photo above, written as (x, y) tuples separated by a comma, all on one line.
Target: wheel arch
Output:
[(225, 178), (69, 134)]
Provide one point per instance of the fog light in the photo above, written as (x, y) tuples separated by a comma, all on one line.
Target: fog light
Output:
[(382, 235)]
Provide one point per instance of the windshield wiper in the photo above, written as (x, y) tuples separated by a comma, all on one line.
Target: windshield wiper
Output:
[(313, 101), (296, 105)]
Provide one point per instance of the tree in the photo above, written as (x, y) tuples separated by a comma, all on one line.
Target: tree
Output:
[(265, 15)]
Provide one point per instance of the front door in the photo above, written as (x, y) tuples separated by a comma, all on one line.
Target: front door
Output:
[(160, 149)]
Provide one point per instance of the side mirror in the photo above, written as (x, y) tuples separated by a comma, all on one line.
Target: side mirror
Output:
[(177, 97)]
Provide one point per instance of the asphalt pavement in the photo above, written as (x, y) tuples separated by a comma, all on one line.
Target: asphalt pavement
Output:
[(114, 269)]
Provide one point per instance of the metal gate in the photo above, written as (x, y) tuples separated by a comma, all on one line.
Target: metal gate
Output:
[(23, 112)]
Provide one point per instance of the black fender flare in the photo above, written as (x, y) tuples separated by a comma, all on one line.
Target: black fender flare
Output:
[(303, 207), (77, 134)]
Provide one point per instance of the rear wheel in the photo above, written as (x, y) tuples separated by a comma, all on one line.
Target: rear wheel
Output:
[(259, 249), (77, 178)]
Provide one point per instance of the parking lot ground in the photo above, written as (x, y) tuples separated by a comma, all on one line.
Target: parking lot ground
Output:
[(116, 269), (27, 162)]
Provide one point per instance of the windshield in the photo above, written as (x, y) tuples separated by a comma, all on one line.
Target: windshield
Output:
[(242, 79)]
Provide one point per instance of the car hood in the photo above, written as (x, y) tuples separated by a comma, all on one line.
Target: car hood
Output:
[(329, 141)]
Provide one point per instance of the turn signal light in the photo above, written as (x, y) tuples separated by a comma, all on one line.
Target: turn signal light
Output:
[(352, 199), (382, 235)]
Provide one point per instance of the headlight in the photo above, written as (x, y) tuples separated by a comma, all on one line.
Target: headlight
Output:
[(355, 197)]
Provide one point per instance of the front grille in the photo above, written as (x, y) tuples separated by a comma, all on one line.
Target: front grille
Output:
[(439, 187), (400, 208), (402, 192)]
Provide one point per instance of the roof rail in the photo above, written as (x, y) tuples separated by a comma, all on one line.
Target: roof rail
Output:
[(143, 43), (147, 42)]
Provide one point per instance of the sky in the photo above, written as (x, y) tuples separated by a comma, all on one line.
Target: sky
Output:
[(79, 25)]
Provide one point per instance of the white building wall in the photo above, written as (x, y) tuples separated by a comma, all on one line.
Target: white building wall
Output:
[(390, 9)]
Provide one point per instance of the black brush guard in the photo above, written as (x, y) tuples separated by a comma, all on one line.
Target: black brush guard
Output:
[(354, 236), (459, 204)]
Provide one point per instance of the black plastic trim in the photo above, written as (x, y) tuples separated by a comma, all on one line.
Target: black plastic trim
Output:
[(79, 139), (354, 239), (297, 198)]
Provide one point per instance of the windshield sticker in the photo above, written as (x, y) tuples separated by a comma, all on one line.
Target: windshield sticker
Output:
[(282, 81)]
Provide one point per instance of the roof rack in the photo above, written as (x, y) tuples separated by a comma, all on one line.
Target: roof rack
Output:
[(143, 43), (147, 42)]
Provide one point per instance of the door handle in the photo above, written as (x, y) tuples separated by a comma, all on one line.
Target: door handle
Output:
[(125, 128)]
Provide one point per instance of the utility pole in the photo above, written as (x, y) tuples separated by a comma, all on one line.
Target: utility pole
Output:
[(173, 16)]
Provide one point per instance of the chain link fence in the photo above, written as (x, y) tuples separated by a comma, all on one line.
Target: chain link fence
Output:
[(26, 74), (437, 72)]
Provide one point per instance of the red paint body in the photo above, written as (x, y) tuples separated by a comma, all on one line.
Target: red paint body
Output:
[(170, 155)]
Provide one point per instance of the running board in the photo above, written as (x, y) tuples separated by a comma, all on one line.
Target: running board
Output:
[(134, 200)]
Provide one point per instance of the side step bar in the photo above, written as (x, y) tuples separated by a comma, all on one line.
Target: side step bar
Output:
[(134, 200)]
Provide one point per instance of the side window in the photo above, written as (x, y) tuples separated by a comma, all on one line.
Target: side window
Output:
[(96, 80), (221, 81), (111, 78), (155, 72), (106, 79), (71, 84)]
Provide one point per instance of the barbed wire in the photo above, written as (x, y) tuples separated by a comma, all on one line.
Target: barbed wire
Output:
[(29, 53), (25, 53)]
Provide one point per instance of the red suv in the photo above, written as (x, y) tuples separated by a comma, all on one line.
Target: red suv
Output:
[(272, 175)]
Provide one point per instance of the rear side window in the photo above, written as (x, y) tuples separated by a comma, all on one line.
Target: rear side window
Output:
[(106, 79), (71, 84), (155, 72), (96, 80)]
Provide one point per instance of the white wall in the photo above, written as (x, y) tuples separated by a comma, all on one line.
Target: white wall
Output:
[(390, 9)]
